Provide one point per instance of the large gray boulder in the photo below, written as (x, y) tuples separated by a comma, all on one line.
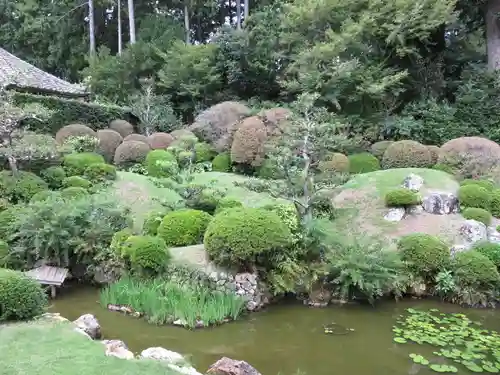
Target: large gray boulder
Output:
[(89, 324), (228, 366), (413, 182), (118, 349), (472, 232), (440, 203)]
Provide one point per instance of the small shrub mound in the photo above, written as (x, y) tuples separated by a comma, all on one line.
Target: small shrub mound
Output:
[(474, 196), (478, 214), (73, 192), (109, 140), (152, 222), (406, 154), (43, 196), (122, 127), (22, 187), (444, 168), (75, 164), (270, 170), (184, 227), (136, 137), (239, 236), (204, 152), (161, 163), (74, 130), (226, 203), (495, 202), (76, 181), (335, 162), (117, 241), (402, 198), (131, 152), (363, 163), (487, 184), (222, 162), (8, 220), (54, 176), (475, 269), (424, 253), (378, 148), (149, 255), (249, 141), (21, 298), (160, 141), (490, 250), (100, 172)]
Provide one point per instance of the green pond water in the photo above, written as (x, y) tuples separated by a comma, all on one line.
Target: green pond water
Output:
[(282, 339)]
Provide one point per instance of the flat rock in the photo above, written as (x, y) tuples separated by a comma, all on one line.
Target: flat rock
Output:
[(473, 231), (162, 354), (89, 324), (493, 235), (413, 182), (118, 349), (228, 366), (440, 203), (395, 214)]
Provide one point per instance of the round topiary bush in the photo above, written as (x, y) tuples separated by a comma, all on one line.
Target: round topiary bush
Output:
[(73, 192), (148, 255), (117, 241), (490, 250), (488, 185), (183, 133), (270, 170), (76, 181), (402, 198), (161, 163), (75, 164), (222, 162), (363, 163), (495, 203), (131, 152), (184, 227), (204, 152), (474, 196), (160, 141), (424, 253), (378, 148), (226, 203), (109, 140), (444, 168), (407, 154), (8, 219), (472, 268), (122, 127), (478, 214), (335, 162), (53, 176), (239, 236), (43, 196), (100, 172), (248, 143), (152, 222), (434, 150), (21, 297), (21, 187), (74, 130), (136, 137)]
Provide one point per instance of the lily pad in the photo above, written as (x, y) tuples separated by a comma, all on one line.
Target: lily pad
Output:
[(400, 340)]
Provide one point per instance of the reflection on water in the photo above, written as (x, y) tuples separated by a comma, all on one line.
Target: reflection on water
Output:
[(282, 339)]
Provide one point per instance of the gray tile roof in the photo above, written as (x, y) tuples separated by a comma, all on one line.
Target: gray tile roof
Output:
[(16, 73)]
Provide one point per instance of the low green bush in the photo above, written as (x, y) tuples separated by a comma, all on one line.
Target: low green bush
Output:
[(8, 220), (490, 250), (43, 196), (73, 192), (76, 181), (472, 268), (334, 163), (378, 148), (21, 297), (425, 254), (474, 196), (444, 168), (149, 255), (54, 176), (240, 235), (487, 184), (76, 163), (406, 154), (161, 163), (402, 198), (100, 172), (363, 163), (478, 214), (204, 152), (4, 255), (184, 227), (288, 215), (270, 170), (203, 198), (117, 241), (152, 222), (495, 202), (21, 187), (222, 162), (226, 203)]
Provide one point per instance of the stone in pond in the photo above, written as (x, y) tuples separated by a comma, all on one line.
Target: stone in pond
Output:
[(162, 354), (395, 214), (472, 232), (118, 349), (228, 366), (89, 324), (493, 235), (413, 182), (440, 203)]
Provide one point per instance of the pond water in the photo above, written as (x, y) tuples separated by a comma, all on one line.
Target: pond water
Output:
[(282, 339)]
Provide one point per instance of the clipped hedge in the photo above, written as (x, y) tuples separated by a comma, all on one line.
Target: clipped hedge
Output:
[(161, 163), (478, 214), (148, 255), (68, 111), (76, 181), (474, 196), (363, 163), (73, 192), (53, 176), (495, 202), (406, 154), (99, 172), (487, 184), (335, 162), (131, 152), (475, 269), (204, 152), (425, 254), (490, 250), (378, 148), (402, 198), (184, 227), (226, 203), (75, 164), (22, 187)]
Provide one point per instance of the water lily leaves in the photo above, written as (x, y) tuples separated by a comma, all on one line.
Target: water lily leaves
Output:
[(472, 366), (417, 358), (400, 340), (443, 368)]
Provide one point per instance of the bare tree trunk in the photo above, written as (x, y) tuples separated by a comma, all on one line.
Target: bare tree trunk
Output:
[(246, 9), (493, 34), (91, 28), (238, 14), (119, 18), (13, 165), (131, 21), (187, 28)]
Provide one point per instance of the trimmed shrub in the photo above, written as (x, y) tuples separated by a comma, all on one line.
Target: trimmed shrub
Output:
[(488, 185), (204, 152), (474, 196), (122, 127), (76, 181), (472, 268), (73, 192), (363, 163), (216, 124), (490, 250), (276, 116), (22, 187), (495, 203), (54, 176), (81, 143), (8, 219), (335, 162), (43, 196), (160, 140), (117, 241), (226, 203), (100, 172), (136, 137), (74, 130), (161, 163), (472, 156), (199, 197), (407, 154), (239, 236), (152, 222), (109, 140), (378, 148), (75, 164), (131, 152), (222, 162), (434, 150), (183, 133), (21, 297), (425, 254), (184, 227), (444, 168), (402, 198), (149, 255), (288, 215), (270, 170), (249, 141), (478, 214)]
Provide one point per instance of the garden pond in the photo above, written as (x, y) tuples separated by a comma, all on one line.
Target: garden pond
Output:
[(288, 337)]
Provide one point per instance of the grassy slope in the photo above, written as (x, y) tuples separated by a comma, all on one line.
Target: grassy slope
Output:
[(45, 348)]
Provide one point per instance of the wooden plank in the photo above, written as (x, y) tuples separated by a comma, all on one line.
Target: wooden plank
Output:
[(48, 275)]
